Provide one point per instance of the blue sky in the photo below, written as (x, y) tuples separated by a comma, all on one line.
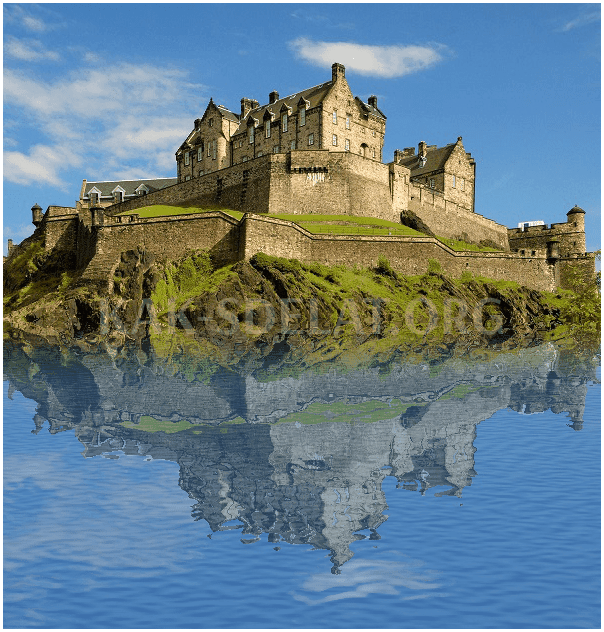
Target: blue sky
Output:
[(110, 91)]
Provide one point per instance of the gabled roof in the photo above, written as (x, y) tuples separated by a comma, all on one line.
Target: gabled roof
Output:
[(228, 114), (435, 160), (313, 97), (129, 186)]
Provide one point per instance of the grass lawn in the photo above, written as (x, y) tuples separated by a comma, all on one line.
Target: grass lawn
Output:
[(162, 210), (318, 224)]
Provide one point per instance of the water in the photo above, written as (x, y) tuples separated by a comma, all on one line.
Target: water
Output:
[(467, 497)]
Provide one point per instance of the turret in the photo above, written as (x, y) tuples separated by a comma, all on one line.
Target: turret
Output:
[(36, 215), (576, 216), (576, 219)]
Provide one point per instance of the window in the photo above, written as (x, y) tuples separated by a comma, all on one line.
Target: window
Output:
[(302, 116), (251, 141), (348, 122), (453, 181), (311, 139), (94, 197), (186, 157), (214, 150), (292, 145), (267, 128), (284, 122), (187, 178), (432, 183), (374, 153), (118, 196), (209, 148), (276, 149), (200, 154), (347, 145), (334, 140), (335, 117), (373, 133), (211, 122)]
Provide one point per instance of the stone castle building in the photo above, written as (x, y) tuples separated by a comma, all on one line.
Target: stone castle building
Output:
[(319, 151)]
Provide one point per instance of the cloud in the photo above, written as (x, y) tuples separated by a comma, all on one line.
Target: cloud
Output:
[(31, 50), (17, 14), (365, 59), (42, 164), (582, 20), (361, 578), (108, 120)]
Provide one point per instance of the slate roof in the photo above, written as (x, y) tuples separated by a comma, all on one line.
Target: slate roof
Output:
[(435, 160), (313, 96), (129, 186), (228, 114)]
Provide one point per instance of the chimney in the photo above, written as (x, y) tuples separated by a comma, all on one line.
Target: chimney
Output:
[(247, 105), (36, 215), (372, 101), (10, 246), (409, 151), (337, 70), (421, 149), (273, 97)]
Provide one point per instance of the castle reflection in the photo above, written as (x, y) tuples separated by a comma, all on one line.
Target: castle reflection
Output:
[(301, 459)]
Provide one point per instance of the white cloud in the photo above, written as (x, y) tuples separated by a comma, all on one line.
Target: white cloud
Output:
[(361, 578), (582, 20), (42, 164), (17, 14), (381, 61), (28, 50), (111, 119)]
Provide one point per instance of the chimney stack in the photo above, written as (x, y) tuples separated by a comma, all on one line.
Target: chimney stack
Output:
[(247, 105), (273, 97), (372, 101), (421, 149), (337, 70)]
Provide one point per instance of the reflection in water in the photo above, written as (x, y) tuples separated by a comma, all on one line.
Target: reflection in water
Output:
[(301, 459)]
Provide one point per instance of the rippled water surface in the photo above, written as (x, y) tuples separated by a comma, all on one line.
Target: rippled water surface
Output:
[(435, 501)]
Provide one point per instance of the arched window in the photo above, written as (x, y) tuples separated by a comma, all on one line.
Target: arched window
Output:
[(364, 149)]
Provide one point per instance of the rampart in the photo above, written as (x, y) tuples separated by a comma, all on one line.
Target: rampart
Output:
[(447, 219), (327, 183)]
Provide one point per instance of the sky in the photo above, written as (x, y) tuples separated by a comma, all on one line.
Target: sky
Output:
[(110, 91)]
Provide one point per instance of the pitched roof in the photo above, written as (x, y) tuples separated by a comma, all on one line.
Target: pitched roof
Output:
[(313, 96), (129, 186), (228, 114), (435, 160)]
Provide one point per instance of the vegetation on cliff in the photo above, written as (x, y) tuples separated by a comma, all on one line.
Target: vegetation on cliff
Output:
[(193, 308)]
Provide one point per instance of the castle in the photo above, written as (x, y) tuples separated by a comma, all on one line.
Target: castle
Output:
[(316, 151)]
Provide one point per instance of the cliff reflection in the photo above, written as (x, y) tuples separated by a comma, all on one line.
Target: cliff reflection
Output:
[(302, 460)]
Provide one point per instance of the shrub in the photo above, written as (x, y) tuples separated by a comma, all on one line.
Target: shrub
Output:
[(383, 267), (434, 266)]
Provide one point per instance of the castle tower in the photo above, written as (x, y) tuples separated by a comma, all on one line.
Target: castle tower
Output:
[(576, 219), (337, 70)]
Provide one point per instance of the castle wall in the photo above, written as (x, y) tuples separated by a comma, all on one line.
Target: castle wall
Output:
[(447, 219), (60, 228), (407, 255), (165, 237), (570, 236)]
